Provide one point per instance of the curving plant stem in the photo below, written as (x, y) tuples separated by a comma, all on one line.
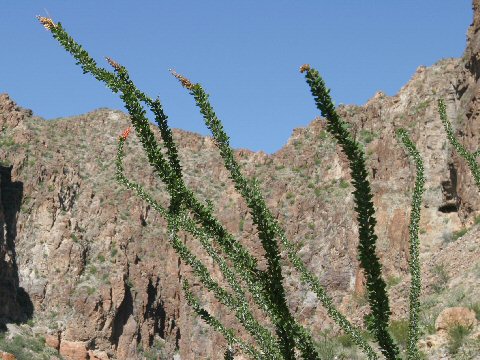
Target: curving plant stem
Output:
[(415, 287)]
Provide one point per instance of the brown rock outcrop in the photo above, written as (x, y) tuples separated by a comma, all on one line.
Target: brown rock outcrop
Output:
[(455, 316), (53, 341), (97, 355), (73, 350), (7, 356)]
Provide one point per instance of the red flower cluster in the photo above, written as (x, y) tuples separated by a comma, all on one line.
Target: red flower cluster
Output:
[(125, 134)]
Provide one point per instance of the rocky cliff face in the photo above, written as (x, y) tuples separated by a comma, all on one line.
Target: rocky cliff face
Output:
[(95, 263)]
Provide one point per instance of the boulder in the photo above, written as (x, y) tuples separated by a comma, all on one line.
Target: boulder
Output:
[(7, 356), (455, 316), (73, 350)]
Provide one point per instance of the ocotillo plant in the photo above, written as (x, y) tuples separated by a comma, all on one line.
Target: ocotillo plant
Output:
[(185, 212)]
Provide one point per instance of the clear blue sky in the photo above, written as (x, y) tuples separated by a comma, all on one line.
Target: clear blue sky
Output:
[(246, 54)]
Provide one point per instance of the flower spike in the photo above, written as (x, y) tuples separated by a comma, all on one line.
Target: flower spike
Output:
[(125, 134), (46, 22), (304, 67), (113, 63), (185, 82)]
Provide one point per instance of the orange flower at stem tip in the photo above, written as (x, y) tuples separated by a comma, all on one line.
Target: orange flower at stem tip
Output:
[(185, 82), (304, 67), (125, 133), (46, 22)]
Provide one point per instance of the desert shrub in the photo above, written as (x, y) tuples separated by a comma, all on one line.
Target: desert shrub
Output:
[(427, 322), (113, 251), (322, 135), (447, 237), (475, 307), (457, 335), (23, 347), (367, 136), (326, 347), (241, 224), (442, 278), (399, 331), (392, 281), (345, 341), (477, 220), (459, 233), (93, 269), (344, 184)]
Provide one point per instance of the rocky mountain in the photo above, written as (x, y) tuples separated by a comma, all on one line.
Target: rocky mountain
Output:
[(86, 265)]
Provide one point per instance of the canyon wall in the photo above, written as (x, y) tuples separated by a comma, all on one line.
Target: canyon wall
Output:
[(91, 265)]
